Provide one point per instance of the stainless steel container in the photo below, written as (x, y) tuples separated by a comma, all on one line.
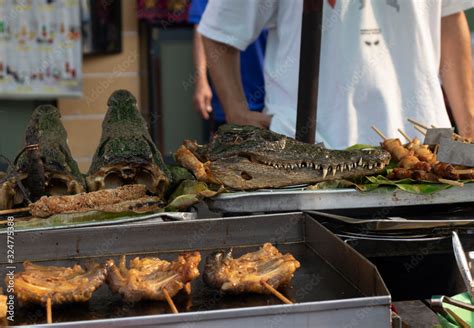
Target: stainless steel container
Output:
[(281, 200), (335, 286)]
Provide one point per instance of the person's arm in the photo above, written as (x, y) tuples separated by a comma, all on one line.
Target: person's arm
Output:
[(202, 92), (456, 71), (224, 67)]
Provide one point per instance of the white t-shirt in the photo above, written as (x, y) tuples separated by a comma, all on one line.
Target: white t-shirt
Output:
[(379, 62)]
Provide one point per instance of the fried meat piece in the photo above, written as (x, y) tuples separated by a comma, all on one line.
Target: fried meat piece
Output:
[(120, 199), (245, 273), (62, 284), (146, 277)]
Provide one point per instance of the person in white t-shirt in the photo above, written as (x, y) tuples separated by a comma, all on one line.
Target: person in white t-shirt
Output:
[(381, 63)]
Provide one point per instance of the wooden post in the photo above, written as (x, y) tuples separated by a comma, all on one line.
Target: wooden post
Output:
[(311, 33)]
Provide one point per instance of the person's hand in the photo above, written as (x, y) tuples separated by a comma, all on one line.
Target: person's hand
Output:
[(248, 117), (202, 99)]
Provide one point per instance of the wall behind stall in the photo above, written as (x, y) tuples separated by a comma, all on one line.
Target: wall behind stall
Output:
[(14, 117), (103, 74)]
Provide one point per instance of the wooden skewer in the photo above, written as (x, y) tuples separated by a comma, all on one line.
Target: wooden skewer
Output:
[(451, 182), (49, 311), (404, 135), (420, 130), (467, 171), (170, 301), (418, 124), (379, 133), (276, 292), (14, 210), (458, 319)]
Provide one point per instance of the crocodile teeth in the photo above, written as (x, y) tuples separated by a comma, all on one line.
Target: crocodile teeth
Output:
[(342, 168), (382, 165), (334, 170), (360, 162), (370, 166), (325, 172)]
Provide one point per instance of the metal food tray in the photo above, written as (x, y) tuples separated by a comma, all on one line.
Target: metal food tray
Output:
[(335, 285), (280, 200)]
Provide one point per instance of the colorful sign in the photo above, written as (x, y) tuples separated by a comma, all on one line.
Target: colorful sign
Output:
[(40, 49)]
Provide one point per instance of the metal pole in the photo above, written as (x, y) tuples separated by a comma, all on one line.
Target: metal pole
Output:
[(311, 32)]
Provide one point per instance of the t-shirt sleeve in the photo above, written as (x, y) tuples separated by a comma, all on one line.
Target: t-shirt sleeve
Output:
[(450, 7), (196, 10), (237, 23)]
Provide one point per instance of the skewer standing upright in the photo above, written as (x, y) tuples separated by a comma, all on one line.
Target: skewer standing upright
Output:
[(170, 301), (418, 124), (379, 133), (405, 135), (49, 311)]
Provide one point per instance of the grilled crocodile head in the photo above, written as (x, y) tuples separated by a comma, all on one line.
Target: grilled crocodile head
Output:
[(246, 157), (126, 153), (45, 166)]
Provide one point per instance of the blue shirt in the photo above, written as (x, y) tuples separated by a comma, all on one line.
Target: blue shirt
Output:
[(251, 67)]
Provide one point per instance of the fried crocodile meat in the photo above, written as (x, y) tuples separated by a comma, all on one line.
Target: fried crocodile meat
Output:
[(123, 199), (146, 277), (246, 273), (62, 284), (246, 157), (126, 153)]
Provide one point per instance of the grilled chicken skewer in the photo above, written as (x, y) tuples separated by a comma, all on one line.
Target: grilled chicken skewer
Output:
[(245, 274)]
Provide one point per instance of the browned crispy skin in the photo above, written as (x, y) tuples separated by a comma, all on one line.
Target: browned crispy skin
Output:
[(396, 149), (110, 200), (246, 273), (188, 160), (62, 284), (146, 277), (445, 170)]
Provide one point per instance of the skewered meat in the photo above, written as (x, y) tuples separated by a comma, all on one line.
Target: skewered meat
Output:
[(147, 276), (62, 284), (400, 173), (423, 152), (408, 162), (422, 175), (422, 166), (445, 170), (126, 198), (396, 149), (246, 273)]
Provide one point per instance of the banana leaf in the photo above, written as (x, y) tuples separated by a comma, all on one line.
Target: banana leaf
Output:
[(408, 185), (190, 192), (60, 220)]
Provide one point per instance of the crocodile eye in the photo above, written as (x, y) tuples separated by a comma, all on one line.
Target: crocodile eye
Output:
[(246, 176)]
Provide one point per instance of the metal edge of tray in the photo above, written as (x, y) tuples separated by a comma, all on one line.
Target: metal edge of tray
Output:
[(155, 217), (305, 200), (376, 314), (218, 233)]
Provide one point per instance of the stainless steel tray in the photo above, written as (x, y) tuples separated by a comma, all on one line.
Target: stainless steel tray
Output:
[(305, 200), (335, 286)]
